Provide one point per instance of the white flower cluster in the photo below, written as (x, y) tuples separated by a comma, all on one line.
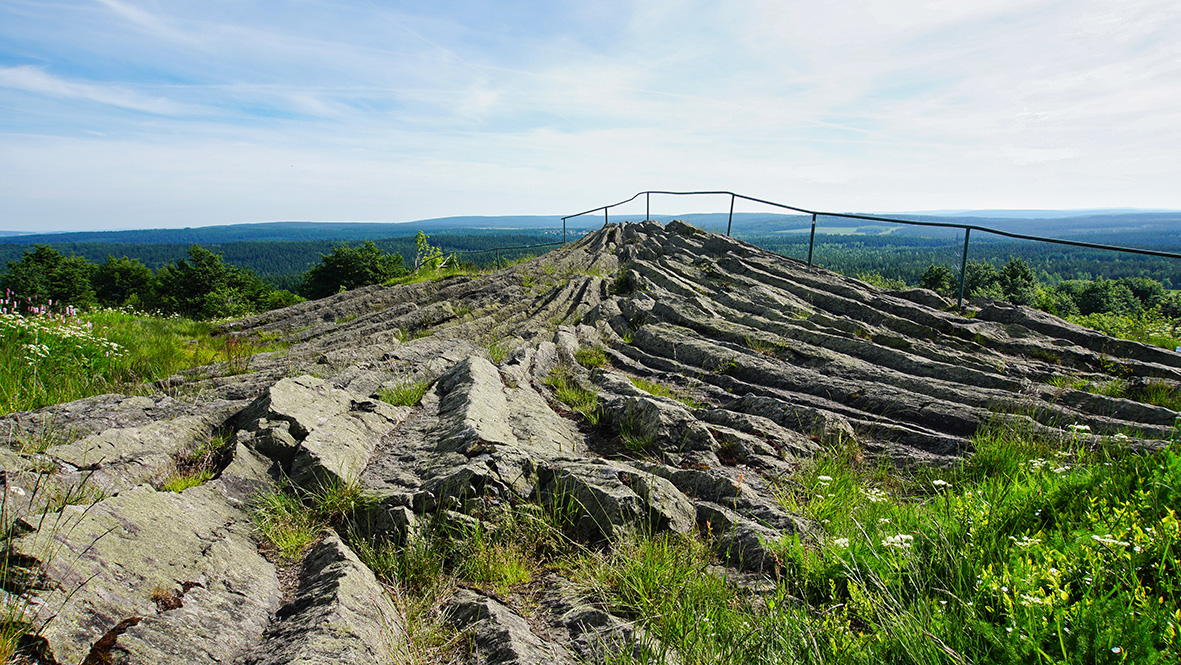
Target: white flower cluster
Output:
[(1108, 540), (902, 541), (874, 494), (1025, 541)]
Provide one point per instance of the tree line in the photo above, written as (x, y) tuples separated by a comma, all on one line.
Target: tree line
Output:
[(202, 285), (1017, 282)]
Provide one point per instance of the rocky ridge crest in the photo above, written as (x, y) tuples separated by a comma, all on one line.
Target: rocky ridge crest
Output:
[(763, 360)]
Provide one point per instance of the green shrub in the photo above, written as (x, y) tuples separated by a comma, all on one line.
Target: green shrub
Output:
[(407, 393)]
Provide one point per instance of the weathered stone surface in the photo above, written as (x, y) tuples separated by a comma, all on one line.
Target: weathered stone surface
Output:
[(765, 359), (614, 499), (501, 635), (123, 458), (105, 562), (322, 433), (340, 614)]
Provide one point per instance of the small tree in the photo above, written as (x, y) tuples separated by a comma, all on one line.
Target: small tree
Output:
[(939, 279), (121, 281), (1018, 283), (348, 267), (428, 256), (44, 274), (982, 279)]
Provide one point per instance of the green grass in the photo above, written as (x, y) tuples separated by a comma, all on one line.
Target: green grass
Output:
[(498, 350), (48, 360), (661, 390), (194, 467), (291, 518), (635, 435), (583, 401), (1028, 552), (592, 357), (1149, 327), (427, 273), (407, 393)]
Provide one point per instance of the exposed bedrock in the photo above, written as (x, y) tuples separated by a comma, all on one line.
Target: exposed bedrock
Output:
[(647, 379)]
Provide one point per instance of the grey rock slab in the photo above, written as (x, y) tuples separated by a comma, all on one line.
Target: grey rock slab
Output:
[(104, 562), (501, 636), (614, 499), (478, 412), (123, 458), (340, 614), (742, 542), (322, 432)]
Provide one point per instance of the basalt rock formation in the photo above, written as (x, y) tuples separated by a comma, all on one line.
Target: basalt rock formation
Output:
[(762, 361)]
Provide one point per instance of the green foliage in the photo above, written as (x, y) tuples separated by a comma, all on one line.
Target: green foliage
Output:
[(635, 434), (1149, 327), (195, 467), (204, 287), (880, 281), (661, 390), (406, 393), (285, 523), (583, 401), (53, 358), (939, 279), (1031, 551), (122, 281), (426, 255), (44, 275), (348, 267), (1018, 283), (591, 357)]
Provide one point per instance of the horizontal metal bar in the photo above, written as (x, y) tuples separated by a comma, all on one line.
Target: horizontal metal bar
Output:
[(501, 249), (909, 222)]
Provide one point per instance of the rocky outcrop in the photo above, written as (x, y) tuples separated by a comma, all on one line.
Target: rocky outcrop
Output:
[(647, 379)]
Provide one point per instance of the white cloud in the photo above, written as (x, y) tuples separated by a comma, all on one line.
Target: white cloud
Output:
[(348, 112), (33, 79)]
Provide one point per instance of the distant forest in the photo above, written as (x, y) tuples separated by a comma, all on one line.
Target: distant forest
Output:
[(282, 264), (851, 247)]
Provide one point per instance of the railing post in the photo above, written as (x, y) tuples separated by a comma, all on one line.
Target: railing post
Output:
[(811, 240), (563, 230), (606, 219), (963, 269), (647, 206), (498, 258), (730, 221)]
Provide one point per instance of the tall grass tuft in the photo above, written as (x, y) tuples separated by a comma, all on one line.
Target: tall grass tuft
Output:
[(1030, 551), (49, 357)]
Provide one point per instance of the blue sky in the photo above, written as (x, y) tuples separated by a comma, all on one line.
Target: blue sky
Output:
[(153, 113)]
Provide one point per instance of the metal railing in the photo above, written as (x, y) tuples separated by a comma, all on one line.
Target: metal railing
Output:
[(498, 250), (968, 228)]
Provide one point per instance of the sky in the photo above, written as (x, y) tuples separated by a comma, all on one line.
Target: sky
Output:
[(122, 114)]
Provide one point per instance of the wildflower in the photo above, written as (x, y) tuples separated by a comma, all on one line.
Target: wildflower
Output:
[(1116, 650), (874, 494), (1120, 436), (841, 542), (1080, 429), (827, 479), (1025, 541), (1108, 540), (940, 483), (902, 541)]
